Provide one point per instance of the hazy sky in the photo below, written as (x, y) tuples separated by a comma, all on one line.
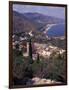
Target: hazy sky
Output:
[(58, 12)]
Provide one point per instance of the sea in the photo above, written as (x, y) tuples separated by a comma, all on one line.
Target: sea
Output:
[(56, 30)]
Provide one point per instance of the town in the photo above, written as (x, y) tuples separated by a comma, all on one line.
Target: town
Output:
[(43, 49)]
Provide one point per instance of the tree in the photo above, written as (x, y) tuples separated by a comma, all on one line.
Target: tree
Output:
[(16, 51), (30, 49), (38, 58), (30, 52)]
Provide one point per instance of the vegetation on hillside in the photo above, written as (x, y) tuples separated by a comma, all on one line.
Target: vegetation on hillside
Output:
[(25, 68)]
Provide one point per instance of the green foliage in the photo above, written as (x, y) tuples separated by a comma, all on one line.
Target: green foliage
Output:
[(30, 60), (53, 68), (38, 60)]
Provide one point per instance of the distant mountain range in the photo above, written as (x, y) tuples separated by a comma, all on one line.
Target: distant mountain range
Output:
[(21, 23), (43, 19), (35, 22)]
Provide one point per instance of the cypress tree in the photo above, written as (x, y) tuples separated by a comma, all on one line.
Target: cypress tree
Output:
[(38, 58), (30, 52), (30, 49)]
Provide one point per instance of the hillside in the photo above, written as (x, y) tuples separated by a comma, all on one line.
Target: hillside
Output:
[(44, 19), (21, 23), (35, 22)]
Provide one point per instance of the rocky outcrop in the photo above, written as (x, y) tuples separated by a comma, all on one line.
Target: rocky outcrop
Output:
[(40, 81)]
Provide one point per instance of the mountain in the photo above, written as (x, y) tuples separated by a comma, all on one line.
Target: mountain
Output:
[(27, 24), (43, 22), (43, 19), (21, 23), (35, 23)]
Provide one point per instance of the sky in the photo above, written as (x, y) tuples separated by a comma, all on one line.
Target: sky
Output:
[(58, 12)]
